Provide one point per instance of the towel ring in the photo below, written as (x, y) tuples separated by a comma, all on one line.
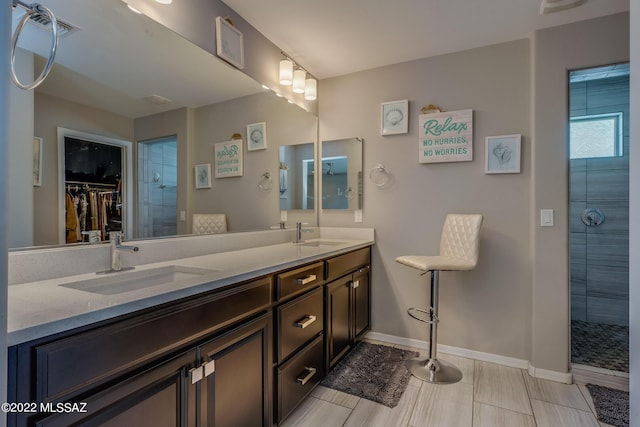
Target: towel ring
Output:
[(34, 9), (379, 175), (265, 182)]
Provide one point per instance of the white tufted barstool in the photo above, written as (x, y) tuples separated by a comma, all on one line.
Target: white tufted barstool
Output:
[(459, 245), (209, 223)]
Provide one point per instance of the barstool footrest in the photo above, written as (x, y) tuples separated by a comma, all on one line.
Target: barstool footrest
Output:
[(417, 313)]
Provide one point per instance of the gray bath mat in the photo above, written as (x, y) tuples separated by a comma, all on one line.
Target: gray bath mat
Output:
[(612, 406), (374, 372)]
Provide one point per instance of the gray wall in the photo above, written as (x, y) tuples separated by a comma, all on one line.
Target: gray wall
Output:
[(489, 308), (554, 51), (600, 255), (516, 303)]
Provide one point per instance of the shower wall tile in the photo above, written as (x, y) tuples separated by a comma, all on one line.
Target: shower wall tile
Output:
[(606, 92), (608, 311), (578, 307), (578, 279), (575, 222), (607, 282), (578, 180), (578, 95), (608, 163), (612, 184), (578, 248), (608, 250)]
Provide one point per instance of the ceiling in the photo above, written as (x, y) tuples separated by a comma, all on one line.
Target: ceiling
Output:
[(336, 37)]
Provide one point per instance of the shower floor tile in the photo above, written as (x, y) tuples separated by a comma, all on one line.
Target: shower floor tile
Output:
[(600, 345)]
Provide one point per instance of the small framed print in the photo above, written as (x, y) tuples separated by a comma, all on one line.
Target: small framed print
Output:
[(229, 43), (257, 136), (228, 158), (37, 162), (502, 154), (203, 176), (394, 117)]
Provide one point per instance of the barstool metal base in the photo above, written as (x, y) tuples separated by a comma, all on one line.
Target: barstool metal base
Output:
[(435, 371)]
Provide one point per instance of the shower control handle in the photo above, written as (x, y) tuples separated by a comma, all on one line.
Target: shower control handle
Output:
[(592, 217)]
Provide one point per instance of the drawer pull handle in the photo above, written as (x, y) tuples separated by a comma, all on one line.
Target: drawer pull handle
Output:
[(310, 373), (307, 279), (355, 284), (305, 321)]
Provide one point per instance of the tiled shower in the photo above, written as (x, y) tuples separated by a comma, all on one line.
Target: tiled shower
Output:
[(157, 180), (599, 254)]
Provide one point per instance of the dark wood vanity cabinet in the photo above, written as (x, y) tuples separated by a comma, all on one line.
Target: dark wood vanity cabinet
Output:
[(243, 356), (347, 302)]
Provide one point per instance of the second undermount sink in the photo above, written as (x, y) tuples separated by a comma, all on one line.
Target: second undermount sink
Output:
[(133, 280), (317, 243)]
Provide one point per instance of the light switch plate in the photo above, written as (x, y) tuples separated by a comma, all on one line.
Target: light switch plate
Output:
[(283, 216), (546, 217), (183, 216), (357, 215)]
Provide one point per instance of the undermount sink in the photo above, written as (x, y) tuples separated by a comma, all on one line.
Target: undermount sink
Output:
[(133, 280), (322, 243)]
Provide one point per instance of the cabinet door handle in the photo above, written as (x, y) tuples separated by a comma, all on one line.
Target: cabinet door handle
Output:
[(363, 269), (195, 374), (310, 373), (355, 284), (305, 321), (209, 368), (307, 279)]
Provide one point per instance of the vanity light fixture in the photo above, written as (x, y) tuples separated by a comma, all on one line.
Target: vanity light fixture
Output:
[(311, 89), (164, 1), (299, 77), (286, 72)]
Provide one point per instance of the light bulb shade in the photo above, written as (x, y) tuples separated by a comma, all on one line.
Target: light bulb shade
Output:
[(164, 1), (286, 72), (298, 81), (310, 89)]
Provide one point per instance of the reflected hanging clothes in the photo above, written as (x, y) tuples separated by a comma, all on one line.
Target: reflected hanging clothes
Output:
[(71, 220)]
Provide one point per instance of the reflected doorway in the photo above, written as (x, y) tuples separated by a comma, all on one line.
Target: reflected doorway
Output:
[(157, 187), (599, 217)]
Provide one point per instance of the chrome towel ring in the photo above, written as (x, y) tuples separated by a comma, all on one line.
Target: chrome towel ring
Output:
[(34, 9)]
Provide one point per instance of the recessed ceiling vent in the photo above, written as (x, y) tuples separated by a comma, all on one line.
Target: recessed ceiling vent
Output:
[(157, 99), (550, 6), (42, 21)]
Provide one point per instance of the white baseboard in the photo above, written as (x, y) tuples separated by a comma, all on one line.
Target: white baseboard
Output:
[(511, 362)]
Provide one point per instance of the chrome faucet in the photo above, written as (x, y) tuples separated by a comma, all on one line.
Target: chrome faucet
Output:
[(299, 231), (115, 237)]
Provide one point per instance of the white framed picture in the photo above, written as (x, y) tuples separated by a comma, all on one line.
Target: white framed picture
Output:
[(257, 136), (203, 176), (502, 154), (229, 43), (228, 159), (37, 162), (394, 117)]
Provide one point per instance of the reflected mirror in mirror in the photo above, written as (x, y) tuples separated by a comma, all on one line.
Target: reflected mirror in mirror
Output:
[(296, 177), (342, 174), (123, 75)]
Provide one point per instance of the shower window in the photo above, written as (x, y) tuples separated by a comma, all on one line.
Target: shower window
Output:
[(597, 135)]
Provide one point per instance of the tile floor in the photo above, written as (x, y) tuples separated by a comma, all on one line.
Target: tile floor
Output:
[(489, 395)]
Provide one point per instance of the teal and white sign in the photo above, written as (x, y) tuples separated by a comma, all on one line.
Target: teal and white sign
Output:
[(446, 137), (228, 158)]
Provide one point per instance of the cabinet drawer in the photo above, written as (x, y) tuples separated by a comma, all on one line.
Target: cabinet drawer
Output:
[(296, 281), (70, 365), (298, 377), (347, 263), (298, 322)]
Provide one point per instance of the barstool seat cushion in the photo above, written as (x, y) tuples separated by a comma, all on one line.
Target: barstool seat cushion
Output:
[(440, 263), (459, 246)]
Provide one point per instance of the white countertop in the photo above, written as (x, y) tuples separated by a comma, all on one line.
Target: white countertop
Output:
[(41, 308)]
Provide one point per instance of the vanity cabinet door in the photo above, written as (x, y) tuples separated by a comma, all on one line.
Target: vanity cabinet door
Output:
[(237, 379), (361, 302), (159, 396), (338, 319)]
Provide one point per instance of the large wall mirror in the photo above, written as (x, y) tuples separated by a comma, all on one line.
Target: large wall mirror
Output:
[(341, 172), (296, 183), (123, 76)]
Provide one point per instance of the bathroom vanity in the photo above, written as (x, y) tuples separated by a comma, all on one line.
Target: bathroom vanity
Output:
[(227, 350)]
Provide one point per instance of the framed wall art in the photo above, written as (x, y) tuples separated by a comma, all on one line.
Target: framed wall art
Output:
[(37, 162), (229, 42), (502, 154), (257, 136), (228, 158), (394, 117), (203, 176)]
